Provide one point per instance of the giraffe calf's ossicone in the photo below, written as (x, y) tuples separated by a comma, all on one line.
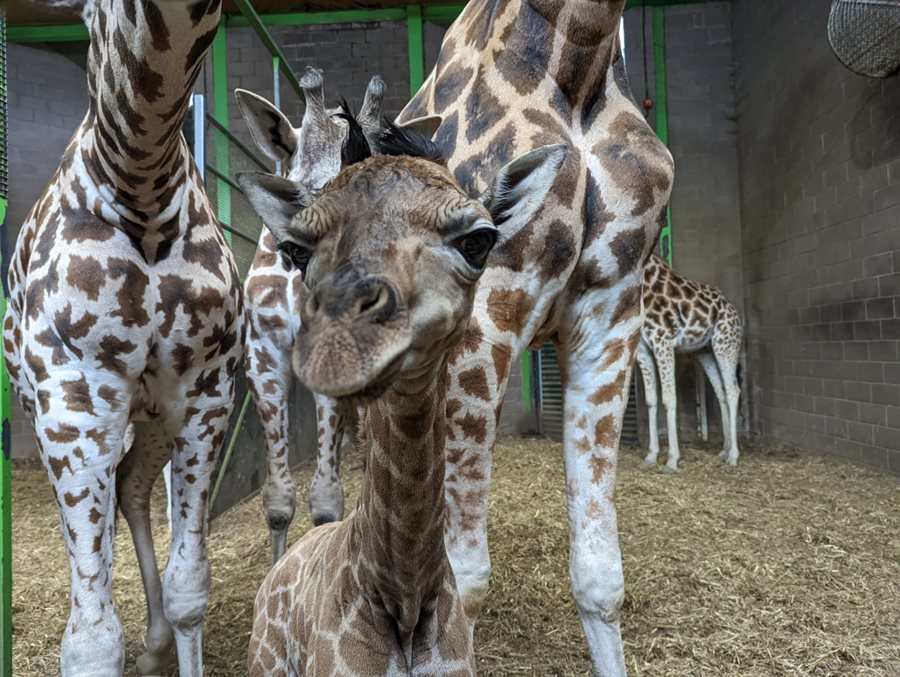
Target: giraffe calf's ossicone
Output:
[(392, 249)]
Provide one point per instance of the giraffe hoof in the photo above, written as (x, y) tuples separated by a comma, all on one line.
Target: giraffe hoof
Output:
[(153, 664), (648, 464), (324, 518), (666, 470), (723, 454)]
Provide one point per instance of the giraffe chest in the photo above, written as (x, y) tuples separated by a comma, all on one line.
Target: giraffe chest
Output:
[(89, 306)]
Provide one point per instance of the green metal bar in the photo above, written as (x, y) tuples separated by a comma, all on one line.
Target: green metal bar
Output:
[(310, 18), (526, 380), (443, 15), (6, 569), (662, 113), (49, 33), (256, 23), (230, 450), (220, 115), (416, 43)]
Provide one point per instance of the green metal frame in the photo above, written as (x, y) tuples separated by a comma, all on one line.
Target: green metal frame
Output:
[(416, 43), (6, 571), (219, 53), (662, 113)]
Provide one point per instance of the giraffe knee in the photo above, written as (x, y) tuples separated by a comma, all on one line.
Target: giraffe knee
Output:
[(598, 591), (186, 594)]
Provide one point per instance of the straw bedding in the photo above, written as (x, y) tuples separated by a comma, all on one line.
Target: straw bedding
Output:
[(785, 566)]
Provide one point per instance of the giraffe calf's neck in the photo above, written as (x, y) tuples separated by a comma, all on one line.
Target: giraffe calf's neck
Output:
[(391, 251)]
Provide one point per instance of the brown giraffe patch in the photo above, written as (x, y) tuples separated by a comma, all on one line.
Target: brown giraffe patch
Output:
[(474, 427), (629, 305), (509, 308), (628, 248), (132, 284), (77, 395), (606, 432), (599, 467), (635, 166), (501, 355), (111, 350), (474, 382), (85, 274), (64, 434), (608, 392)]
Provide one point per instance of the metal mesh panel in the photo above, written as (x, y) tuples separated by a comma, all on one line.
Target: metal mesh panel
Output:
[(551, 393), (225, 156), (4, 168), (865, 35)]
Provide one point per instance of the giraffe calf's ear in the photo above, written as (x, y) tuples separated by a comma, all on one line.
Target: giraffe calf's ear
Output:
[(277, 200), (519, 189), (272, 132), (427, 125)]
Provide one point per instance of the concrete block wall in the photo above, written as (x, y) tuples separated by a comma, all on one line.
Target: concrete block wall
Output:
[(47, 101), (819, 162)]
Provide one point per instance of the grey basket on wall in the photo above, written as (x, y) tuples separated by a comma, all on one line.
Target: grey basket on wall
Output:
[(865, 36)]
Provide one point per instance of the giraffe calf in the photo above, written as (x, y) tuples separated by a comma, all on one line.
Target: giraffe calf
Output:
[(391, 251)]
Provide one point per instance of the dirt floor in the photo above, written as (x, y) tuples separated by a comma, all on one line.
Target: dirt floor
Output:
[(785, 566)]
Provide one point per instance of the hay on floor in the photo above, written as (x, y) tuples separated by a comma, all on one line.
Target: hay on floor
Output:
[(785, 566)]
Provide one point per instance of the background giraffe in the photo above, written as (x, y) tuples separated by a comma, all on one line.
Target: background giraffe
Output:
[(311, 155), (393, 249), (513, 75), (681, 316), (125, 309)]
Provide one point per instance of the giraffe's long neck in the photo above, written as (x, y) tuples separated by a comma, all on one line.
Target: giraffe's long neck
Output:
[(571, 42), (399, 530), (144, 59)]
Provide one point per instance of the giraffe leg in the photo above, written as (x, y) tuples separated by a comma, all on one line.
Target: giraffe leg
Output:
[(270, 378), (727, 355), (596, 394), (80, 438), (326, 493), (665, 363), (150, 451), (711, 369), (187, 577), (648, 375)]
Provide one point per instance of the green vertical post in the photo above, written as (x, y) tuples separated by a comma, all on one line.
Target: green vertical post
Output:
[(416, 44), (220, 113), (662, 112), (5, 441)]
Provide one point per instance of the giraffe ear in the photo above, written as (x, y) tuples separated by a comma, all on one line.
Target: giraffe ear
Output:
[(272, 132), (276, 199), (426, 125), (519, 189)]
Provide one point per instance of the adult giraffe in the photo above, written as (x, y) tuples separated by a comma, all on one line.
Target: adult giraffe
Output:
[(125, 308), (514, 75)]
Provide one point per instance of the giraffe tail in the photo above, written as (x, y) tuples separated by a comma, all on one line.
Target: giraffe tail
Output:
[(737, 373)]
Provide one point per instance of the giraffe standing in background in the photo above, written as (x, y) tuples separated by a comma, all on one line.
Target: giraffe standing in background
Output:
[(681, 316), (311, 155), (125, 308), (511, 75), (391, 251)]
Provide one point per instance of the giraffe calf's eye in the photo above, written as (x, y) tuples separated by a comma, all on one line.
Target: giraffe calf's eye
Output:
[(476, 246), (298, 255)]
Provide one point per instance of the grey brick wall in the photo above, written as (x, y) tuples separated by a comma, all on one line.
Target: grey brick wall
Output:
[(47, 101), (705, 210), (819, 161), (349, 55)]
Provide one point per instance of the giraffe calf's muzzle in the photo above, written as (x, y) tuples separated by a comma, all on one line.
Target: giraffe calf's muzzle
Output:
[(354, 333)]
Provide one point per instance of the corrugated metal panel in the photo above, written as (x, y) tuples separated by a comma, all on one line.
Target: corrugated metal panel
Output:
[(630, 423), (551, 394)]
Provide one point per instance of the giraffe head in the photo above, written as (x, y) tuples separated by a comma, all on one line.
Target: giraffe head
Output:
[(391, 251), (314, 153)]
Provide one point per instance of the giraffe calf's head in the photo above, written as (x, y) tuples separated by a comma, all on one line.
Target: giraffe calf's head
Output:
[(391, 251)]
